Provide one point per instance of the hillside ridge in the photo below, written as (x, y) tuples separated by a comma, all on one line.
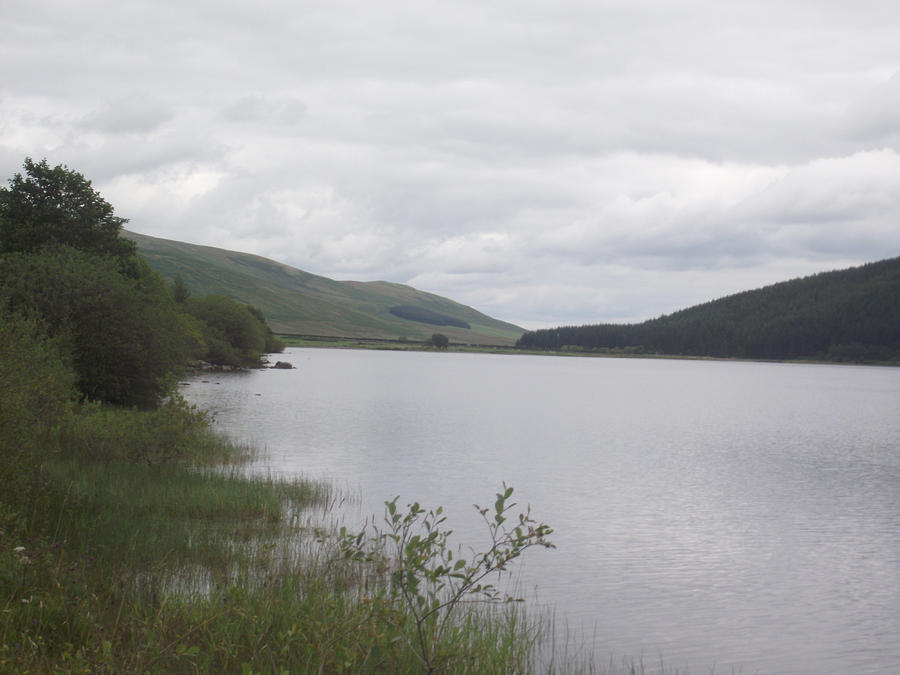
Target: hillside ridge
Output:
[(301, 303), (840, 315)]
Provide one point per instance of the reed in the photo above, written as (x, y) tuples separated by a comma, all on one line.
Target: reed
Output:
[(121, 553)]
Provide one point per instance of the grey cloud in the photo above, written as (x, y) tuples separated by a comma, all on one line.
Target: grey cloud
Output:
[(863, 187), (107, 160), (132, 114), (875, 117), (546, 162), (266, 110)]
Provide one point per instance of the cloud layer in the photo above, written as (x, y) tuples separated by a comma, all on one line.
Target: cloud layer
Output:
[(548, 163)]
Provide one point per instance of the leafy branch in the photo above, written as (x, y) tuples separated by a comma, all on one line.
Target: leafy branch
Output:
[(427, 581)]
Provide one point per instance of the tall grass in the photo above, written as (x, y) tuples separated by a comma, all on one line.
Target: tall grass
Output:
[(132, 542), (124, 567)]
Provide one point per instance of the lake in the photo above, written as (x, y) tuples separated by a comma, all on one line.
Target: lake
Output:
[(727, 515)]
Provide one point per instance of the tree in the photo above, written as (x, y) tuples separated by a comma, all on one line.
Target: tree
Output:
[(438, 340), (273, 344), (123, 334), (180, 290), (63, 262), (233, 333), (58, 206)]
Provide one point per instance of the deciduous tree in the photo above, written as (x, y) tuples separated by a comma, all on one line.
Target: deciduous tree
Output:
[(439, 340), (124, 335), (58, 206)]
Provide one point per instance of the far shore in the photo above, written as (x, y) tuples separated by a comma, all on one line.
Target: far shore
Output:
[(389, 344)]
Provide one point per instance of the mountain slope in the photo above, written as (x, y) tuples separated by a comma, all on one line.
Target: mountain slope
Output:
[(297, 302), (846, 315)]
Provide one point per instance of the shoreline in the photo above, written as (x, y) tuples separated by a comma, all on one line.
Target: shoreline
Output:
[(386, 344)]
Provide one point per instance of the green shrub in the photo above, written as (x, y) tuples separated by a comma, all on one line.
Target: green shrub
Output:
[(427, 584), (273, 344), (38, 386), (438, 341), (235, 334), (35, 401), (124, 335), (171, 432)]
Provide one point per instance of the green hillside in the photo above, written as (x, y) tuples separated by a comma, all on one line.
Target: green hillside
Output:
[(296, 302), (846, 315)]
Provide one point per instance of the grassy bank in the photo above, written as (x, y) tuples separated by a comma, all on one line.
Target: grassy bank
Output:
[(114, 565), (130, 541)]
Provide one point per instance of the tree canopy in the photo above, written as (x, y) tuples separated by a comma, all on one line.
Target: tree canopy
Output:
[(438, 340), (233, 334), (124, 335), (65, 268), (58, 206)]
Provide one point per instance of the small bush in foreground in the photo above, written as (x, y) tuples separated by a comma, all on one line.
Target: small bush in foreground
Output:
[(427, 584)]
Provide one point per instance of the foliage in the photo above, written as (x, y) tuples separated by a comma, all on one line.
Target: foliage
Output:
[(124, 335), (124, 332), (438, 340), (104, 433), (180, 291), (273, 344), (848, 315), (58, 206), (38, 386), (426, 581), (62, 260), (234, 334), (35, 400), (423, 315)]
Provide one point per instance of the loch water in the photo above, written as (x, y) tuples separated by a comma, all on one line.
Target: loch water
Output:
[(726, 516)]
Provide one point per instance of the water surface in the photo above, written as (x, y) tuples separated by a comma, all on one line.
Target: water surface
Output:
[(732, 515)]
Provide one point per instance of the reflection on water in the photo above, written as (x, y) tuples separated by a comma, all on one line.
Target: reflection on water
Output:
[(740, 515)]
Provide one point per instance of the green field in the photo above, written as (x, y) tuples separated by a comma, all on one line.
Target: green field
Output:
[(298, 303)]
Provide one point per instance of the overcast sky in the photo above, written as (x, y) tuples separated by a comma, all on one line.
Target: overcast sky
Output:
[(545, 161)]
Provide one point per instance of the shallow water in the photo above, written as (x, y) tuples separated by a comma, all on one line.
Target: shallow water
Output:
[(742, 516)]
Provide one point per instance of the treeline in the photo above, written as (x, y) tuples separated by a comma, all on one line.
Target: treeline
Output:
[(125, 334), (848, 315)]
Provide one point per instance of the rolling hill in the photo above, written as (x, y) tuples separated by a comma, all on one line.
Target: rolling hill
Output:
[(300, 303), (845, 315)]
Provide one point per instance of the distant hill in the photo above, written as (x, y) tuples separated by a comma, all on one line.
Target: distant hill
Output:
[(297, 302), (846, 315)]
